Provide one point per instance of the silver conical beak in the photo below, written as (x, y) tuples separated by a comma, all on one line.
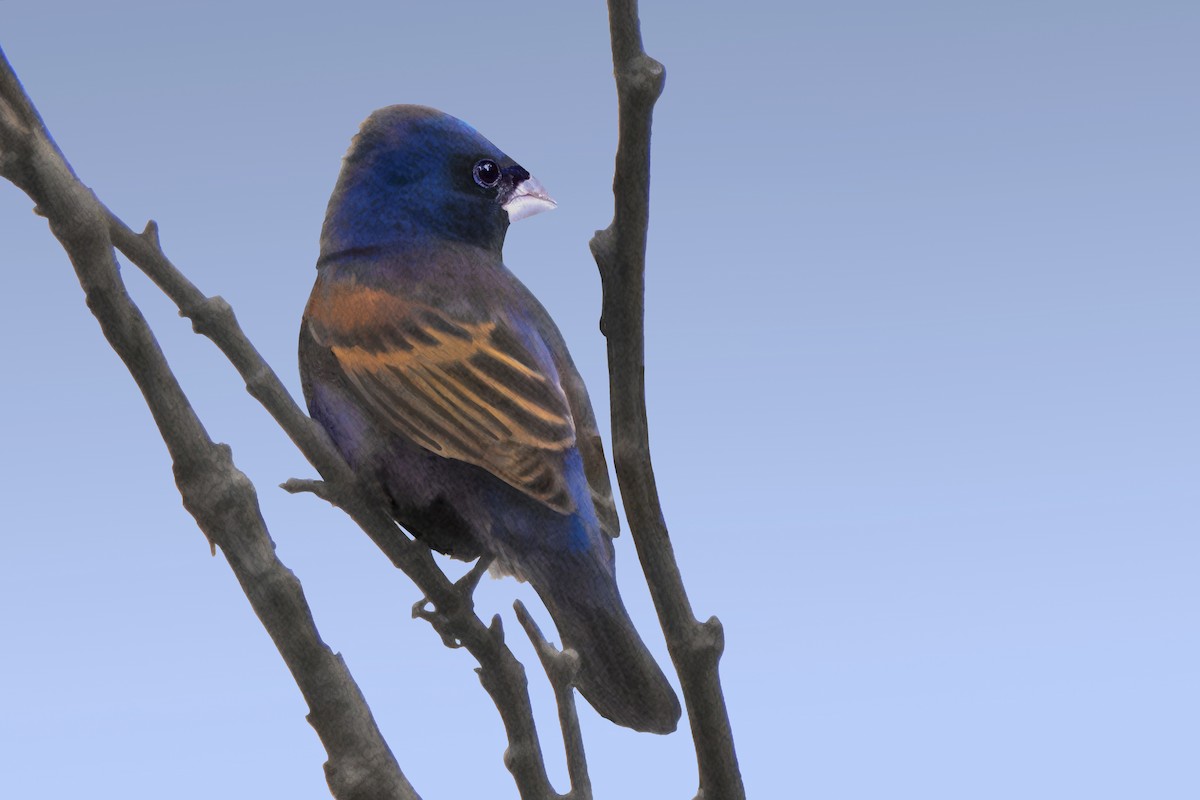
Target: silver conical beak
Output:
[(528, 198)]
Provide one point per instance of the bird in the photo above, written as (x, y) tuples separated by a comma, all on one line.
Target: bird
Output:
[(447, 387)]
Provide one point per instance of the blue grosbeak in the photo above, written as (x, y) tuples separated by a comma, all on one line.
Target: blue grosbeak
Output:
[(444, 382)]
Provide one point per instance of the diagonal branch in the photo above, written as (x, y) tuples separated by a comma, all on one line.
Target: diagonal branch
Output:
[(452, 615), (215, 492), (620, 253)]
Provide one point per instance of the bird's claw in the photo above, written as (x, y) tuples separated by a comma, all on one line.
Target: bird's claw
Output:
[(423, 609)]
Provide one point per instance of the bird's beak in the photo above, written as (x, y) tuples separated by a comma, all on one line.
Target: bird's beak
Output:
[(527, 198)]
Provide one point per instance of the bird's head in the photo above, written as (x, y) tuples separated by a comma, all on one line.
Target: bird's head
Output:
[(414, 175)]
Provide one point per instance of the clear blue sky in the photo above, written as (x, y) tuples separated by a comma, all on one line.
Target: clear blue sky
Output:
[(922, 369)]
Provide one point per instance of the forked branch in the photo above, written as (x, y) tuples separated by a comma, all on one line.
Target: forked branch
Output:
[(360, 765), (218, 495), (225, 505)]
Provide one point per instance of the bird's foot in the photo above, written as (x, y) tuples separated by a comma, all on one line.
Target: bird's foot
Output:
[(462, 598)]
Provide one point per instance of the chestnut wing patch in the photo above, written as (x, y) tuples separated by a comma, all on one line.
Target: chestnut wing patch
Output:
[(468, 391)]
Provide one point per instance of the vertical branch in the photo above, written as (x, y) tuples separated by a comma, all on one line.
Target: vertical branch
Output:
[(620, 253), (214, 491)]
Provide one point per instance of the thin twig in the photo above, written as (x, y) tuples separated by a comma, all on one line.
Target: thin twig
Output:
[(561, 666), (308, 486), (214, 491), (620, 253)]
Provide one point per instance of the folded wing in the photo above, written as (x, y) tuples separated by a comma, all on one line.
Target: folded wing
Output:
[(468, 391)]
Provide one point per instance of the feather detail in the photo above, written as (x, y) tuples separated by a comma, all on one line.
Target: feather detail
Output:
[(468, 391)]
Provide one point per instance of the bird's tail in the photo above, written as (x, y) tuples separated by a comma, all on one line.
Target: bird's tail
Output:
[(617, 674)]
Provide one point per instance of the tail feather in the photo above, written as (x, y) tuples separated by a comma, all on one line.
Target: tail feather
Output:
[(617, 674)]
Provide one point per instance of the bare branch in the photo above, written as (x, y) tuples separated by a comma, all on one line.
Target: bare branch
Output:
[(452, 615), (561, 668), (214, 491), (620, 253)]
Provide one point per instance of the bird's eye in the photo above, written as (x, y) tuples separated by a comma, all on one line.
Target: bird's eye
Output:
[(486, 173)]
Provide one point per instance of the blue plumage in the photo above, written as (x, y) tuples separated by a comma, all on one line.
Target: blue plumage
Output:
[(443, 380)]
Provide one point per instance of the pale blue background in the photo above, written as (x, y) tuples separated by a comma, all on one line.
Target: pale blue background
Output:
[(922, 368)]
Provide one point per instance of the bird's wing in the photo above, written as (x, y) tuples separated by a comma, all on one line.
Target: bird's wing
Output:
[(591, 448), (471, 391)]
